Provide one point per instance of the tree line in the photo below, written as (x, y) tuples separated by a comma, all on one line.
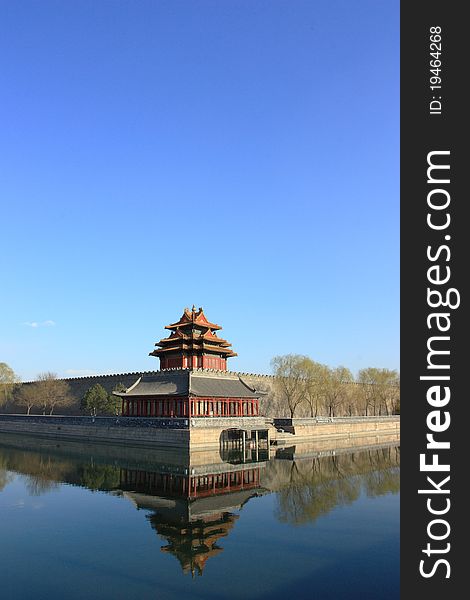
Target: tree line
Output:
[(49, 394), (303, 387)]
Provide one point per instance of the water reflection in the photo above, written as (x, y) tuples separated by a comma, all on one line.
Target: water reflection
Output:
[(192, 501), (310, 487)]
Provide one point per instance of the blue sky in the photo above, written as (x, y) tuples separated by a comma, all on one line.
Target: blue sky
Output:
[(240, 155)]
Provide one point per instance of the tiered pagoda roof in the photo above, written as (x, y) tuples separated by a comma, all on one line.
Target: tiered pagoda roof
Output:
[(193, 317), (193, 380), (193, 335), (193, 332)]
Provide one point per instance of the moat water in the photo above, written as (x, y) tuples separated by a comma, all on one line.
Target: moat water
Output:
[(103, 522)]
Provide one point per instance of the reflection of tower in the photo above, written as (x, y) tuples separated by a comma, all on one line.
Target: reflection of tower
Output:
[(245, 477), (192, 508), (193, 543)]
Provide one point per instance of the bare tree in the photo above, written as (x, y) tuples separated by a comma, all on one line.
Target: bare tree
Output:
[(28, 396), (380, 389), (315, 381), (335, 389), (53, 392), (290, 380), (352, 400)]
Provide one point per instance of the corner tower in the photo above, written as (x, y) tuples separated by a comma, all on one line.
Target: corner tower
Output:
[(193, 344)]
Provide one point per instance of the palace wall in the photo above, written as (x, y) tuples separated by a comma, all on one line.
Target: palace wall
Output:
[(270, 404), (79, 385)]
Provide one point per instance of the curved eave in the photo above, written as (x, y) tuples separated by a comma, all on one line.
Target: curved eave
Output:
[(192, 348), (194, 340)]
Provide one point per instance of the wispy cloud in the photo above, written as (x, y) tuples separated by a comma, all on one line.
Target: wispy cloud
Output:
[(36, 324)]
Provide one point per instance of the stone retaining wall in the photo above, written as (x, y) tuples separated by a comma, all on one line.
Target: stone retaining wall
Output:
[(196, 434), (127, 431), (337, 427)]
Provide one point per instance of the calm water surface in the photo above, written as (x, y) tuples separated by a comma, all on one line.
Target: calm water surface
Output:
[(105, 522)]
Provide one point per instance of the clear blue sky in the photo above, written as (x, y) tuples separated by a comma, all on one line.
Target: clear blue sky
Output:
[(240, 155)]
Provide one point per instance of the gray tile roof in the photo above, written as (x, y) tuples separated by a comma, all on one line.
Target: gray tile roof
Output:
[(166, 383), (220, 387), (185, 382)]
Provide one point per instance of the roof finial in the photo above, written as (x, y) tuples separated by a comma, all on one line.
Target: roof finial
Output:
[(193, 308)]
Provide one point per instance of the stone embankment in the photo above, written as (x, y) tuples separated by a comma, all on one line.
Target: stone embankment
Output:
[(128, 431), (194, 434), (299, 430)]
